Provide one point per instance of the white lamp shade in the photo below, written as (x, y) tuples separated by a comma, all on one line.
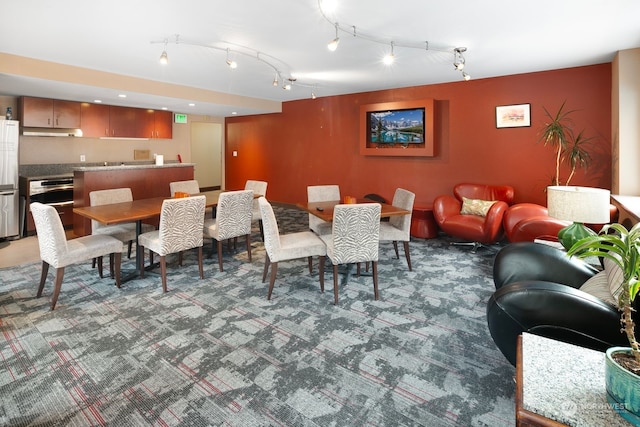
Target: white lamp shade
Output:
[(579, 204)]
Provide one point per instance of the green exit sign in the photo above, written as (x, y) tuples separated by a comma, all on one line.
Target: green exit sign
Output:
[(179, 118)]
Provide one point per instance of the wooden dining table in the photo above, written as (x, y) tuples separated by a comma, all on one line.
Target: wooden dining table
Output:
[(135, 211), (324, 210)]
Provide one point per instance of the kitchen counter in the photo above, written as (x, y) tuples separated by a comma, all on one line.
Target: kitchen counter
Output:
[(116, 167)]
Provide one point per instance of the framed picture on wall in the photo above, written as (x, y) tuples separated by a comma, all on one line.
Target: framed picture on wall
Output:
[(513, 116)]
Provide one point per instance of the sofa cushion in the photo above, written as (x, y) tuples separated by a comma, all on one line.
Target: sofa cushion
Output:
[(614, 278), (598, 286), (476, 206)]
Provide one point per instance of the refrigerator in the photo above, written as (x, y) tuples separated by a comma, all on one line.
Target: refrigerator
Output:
[(9, 194)]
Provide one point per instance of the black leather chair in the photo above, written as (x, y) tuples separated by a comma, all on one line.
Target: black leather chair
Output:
[(537, 292)]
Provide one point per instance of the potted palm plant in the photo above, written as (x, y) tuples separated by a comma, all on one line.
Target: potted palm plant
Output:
[(570, 148), (622, 364)]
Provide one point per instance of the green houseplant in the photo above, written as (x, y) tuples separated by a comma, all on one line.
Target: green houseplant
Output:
[(622, 368), (571, 148)]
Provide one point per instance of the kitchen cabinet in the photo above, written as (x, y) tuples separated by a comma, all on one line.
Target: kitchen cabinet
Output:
[(159, 124), (100, 120), (49, 113), (94, 120)]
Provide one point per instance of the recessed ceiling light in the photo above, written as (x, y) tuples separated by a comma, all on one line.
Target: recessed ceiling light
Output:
[(122, 95), (164, 108), (192, 104), (233, 113), (97, 101)]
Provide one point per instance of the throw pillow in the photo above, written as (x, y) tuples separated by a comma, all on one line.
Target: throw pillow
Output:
[(598, 286), (475, 206), (614, 278)]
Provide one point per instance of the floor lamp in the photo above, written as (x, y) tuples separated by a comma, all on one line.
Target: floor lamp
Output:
[(580, 205)]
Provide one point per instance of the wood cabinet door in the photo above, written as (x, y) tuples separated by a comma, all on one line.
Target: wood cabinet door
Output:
[(36, 112), (94, 120), (146, 120), (124, 122), (66, 114), (163, 123)]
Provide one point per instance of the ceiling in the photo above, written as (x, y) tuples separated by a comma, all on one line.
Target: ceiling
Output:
[(288, 39)]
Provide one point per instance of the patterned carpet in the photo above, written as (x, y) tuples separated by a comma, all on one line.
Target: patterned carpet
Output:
[(215, 352)]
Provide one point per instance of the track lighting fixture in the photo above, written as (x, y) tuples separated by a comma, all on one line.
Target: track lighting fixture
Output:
[(327, 6), (333, 44), (164, 60), (388, 60), (466, 76), (275, 80), (458, 58), (232, 64)]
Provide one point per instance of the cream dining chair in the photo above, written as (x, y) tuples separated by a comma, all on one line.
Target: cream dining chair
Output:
[(321, 193), (285, 247), (259, 189), (125, 232), (58, 252), (398, 228), (180, 229), (190, 187), (233, 219), (354, 239)]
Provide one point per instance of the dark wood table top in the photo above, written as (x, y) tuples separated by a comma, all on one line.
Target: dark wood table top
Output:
[(135, 210), (326, 213)]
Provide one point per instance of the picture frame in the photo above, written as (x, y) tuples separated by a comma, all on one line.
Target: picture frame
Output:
[(424, 146), (513, 116)]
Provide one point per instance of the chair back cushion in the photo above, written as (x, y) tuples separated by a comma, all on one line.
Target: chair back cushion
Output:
[(233, 216), (403, 199), (107, 197), (51, 237), (323, 193), (181, 223), (356, 232), (503, 193), (270, 228), (189, 187)]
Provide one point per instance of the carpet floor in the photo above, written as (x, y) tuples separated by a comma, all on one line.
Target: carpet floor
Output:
[(215, 352)]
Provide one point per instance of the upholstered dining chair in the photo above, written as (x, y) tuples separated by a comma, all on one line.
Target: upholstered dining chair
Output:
[(58, 252), (285, 247), (180, 229), (125, 232), (190, 187), (321, 193), (354, 239), (398, 227), (233, 219), (259, 189)]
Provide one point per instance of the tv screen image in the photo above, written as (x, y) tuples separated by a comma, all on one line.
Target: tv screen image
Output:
[(396, 126)]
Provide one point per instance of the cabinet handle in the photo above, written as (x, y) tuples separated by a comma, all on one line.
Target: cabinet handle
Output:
[(106, 132)]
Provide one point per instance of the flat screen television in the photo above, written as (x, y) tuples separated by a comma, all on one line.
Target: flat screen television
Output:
[(403, 126)]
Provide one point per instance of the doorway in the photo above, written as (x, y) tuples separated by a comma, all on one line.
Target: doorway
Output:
[(206, 153)]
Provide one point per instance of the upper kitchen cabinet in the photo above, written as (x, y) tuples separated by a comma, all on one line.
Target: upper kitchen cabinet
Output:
[(163, 124), (127, 122), (95, 120), (49, 113)]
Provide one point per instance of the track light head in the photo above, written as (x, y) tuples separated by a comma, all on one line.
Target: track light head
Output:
[(458, 58), (232, 64), (333, 44), (388, 60), (466, 76), (164, 60)]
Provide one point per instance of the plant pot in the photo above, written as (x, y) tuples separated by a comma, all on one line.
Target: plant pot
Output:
[(623, 387)]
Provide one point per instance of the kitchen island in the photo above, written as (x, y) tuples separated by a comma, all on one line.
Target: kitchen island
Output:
[(144, 180)]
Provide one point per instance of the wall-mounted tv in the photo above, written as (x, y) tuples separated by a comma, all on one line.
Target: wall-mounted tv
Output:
[(390, 127)]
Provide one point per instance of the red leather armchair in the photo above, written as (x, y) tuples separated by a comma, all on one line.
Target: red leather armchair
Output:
[(477, 229)]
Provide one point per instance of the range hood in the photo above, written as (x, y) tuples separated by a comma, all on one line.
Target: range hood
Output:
[(51, 132)]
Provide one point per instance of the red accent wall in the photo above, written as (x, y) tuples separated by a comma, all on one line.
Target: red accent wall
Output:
[(317, 141)]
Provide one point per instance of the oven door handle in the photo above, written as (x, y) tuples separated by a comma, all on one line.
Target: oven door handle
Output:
[(60, 204)]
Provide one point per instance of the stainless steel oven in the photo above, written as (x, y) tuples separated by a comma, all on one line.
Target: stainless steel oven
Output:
[(57, 192)]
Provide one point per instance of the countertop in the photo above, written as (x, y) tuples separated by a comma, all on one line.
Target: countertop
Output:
[(565, 383), (49, 171), (129, 167)]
